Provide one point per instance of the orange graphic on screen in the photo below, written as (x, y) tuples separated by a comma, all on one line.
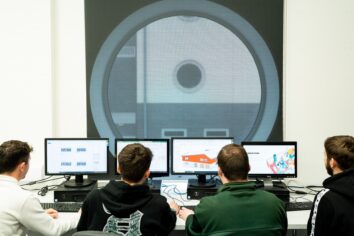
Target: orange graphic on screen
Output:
[(198, 158)]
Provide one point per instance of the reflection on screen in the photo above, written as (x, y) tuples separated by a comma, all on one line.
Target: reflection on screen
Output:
[(76, 156), (272, 159), (196, 155), (158, 147)]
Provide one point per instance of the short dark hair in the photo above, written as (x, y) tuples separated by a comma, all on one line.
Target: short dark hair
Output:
[(341, 149), (12, 153), (233, 162), (134, 160)]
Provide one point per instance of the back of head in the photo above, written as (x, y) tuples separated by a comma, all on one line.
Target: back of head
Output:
[(341, 149), (12, 153), (134, 160), (233, 162)]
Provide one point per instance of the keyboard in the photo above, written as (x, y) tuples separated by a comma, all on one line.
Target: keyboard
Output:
[(298, 206), (290, 206), (63, 206)]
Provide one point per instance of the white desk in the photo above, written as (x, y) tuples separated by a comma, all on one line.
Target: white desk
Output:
[(297, 220)]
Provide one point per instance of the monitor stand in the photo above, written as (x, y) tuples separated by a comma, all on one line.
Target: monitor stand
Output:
[(269, 183), (201, 182), (79, 182)]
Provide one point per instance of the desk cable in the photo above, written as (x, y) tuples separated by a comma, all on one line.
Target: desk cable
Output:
[(42, 191)]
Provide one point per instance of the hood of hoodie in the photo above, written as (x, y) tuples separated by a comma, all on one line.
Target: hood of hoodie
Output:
[(342, 183), (121, 199)]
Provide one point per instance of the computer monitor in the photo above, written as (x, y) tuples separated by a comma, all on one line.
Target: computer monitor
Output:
[(76, 156), (272, 159), (159, 148), (197, 156)]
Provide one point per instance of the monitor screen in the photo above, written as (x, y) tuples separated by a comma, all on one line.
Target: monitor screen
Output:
[(159, 148), (197, 155), (76, 156), (272, 159)]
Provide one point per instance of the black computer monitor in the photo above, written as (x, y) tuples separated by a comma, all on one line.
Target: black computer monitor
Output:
[(76, 156), (197, 156), (159, 148), (272, 159)]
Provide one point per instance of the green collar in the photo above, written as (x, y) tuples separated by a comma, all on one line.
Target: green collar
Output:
[(238, 185)]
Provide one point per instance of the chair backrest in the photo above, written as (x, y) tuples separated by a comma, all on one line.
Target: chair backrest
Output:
[(92, 233)]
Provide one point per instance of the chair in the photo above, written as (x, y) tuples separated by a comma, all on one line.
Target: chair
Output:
[(92, 233)]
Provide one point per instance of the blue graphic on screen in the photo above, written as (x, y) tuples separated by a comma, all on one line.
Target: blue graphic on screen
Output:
[(76, 156)]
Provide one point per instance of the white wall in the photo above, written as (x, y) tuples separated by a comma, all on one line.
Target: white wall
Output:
[(26, 75), (319, 78), (42, 75), (42, 79)]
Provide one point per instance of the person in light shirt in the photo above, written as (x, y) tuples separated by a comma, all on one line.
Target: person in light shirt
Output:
[(20, 210)]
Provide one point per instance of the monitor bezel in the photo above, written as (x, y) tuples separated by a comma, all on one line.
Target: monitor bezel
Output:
[(75, 139), (194, 138), (265, 143), (152, 173)]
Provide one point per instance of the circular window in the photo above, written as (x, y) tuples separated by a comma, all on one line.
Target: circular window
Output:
[(227, 81)]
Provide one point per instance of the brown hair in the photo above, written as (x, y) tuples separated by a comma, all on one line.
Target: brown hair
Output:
[(233, 162), (12, 153), (341, 149), (134, 160)]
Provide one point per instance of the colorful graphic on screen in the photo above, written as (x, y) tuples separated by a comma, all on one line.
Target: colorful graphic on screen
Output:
[(282, 163), (271, 159)]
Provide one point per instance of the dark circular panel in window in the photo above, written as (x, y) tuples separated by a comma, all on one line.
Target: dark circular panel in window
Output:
[(189, 76)]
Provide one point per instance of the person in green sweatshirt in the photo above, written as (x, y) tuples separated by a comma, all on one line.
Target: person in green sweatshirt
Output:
[(238, 208)]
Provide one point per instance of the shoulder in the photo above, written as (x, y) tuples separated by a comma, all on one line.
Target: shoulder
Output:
[(323, 195), (157, 198), (269, 199), (158, 203), (324, 198), (212, 200), (265, 194), (21, 195), (93, 195)]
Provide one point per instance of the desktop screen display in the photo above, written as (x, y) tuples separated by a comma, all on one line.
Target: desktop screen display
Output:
[(196, 155), (159, 149), (76, 156), (271, 159)]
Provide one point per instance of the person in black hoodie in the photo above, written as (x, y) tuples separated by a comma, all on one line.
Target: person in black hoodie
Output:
[(128, 207), (333, 210)]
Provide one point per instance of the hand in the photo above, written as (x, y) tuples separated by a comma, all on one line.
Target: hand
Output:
[(184, 213), (175, 207), (52, 213)]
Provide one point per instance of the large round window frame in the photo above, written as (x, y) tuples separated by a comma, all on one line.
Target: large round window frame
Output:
[(270, 93)]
